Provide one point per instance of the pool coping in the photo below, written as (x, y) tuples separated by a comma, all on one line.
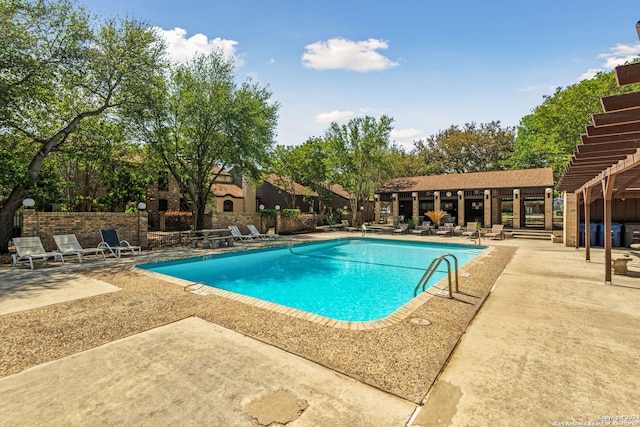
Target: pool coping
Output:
[(400, 314)]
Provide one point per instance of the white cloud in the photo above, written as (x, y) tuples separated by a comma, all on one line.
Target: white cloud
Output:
[(405, 137), (409, 133), (343, 54), (618, 55), (180, 48), (333, 116), (589, 74)]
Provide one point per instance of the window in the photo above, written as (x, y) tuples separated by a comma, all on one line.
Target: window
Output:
[(163, 205), (227, 206)]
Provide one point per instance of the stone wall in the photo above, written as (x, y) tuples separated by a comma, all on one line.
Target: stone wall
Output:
[(85, 225), (304, 223)]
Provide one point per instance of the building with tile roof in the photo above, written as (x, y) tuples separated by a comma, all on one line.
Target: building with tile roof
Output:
[(515, 198)]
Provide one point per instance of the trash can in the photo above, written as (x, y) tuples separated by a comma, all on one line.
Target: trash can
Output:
[(616, 235), (593, 234)]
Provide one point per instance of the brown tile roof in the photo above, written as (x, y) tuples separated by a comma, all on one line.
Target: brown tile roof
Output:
[(340, 191), (542, 177), (299, 188), (222, 189)]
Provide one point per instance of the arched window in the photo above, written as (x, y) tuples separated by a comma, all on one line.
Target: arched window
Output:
[(227, 206)]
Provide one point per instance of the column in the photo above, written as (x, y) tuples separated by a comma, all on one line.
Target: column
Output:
[(376, 197), (415, 211), (487, 222), (436, 201), (570, 220), (461, 216), (548, 209), (516, 208), (395, 207)]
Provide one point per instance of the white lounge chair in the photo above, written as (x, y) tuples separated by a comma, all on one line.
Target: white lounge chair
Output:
[(30, 248), (447, 230), (68, 245), (254, 232), (496, 232), (112, 242), (235, 232), (471, 231)]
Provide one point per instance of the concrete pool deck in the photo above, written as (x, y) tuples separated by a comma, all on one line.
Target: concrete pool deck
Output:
[(552, 344)]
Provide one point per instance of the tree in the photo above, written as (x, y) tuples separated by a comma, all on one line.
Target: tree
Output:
[(204, 122), (548, 136), (59, 68), (127, 189), (288, 165), (470, 149), (356, 153)]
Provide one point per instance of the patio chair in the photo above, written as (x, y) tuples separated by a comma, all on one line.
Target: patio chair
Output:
[(401, 229), (235, 232), (471, 230), (111, 241), (446, 230), (496, 232), (68, 245), (30, 248), (254, 232)]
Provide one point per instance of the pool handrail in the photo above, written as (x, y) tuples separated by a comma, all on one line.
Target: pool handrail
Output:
[(433, 267)]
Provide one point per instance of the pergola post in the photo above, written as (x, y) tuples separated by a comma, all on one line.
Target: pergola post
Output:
[(607, 192), (586, 197)]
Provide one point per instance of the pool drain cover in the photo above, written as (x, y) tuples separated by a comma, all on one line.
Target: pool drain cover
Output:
[(421, 322)]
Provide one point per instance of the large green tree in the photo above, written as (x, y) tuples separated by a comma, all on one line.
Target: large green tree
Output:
[(203, 122), (548, 136), (356, 154), (472, 148), (59, 67)]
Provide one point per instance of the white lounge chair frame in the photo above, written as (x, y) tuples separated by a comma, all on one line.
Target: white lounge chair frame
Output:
[(111, 241), (471, 231), (30, 248), (68, 245), (235, 232), (254, 232), (497, 232)]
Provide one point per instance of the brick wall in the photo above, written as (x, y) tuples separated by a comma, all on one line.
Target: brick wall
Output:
[(85, 225), (222, 220)]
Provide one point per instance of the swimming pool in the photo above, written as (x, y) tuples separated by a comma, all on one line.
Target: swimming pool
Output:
[(355, 280)]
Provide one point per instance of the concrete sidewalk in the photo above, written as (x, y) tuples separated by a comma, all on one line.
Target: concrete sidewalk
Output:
[(192, 373), (553, 345)]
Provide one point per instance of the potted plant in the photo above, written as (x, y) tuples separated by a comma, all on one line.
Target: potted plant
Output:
[(436, 217)]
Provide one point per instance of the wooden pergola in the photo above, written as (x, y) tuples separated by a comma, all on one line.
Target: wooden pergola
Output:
[(606, 164)]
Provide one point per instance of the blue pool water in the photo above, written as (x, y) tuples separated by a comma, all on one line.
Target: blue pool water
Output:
[(346, 279)]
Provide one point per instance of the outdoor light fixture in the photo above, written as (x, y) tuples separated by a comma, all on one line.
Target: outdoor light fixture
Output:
[(277, 207), (436, 194), (394, 196), (28, 203), (414, 194), (142, 206), (487, 193), (548, 191), (515, 193), (460, 193), (261, 207)]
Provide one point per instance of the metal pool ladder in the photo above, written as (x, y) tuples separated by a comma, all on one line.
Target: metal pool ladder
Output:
[(433, 268)]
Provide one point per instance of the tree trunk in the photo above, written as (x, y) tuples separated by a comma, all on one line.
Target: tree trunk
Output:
[(7, 212)]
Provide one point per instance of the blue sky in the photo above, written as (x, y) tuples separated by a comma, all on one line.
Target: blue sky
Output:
[(428, 64)]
